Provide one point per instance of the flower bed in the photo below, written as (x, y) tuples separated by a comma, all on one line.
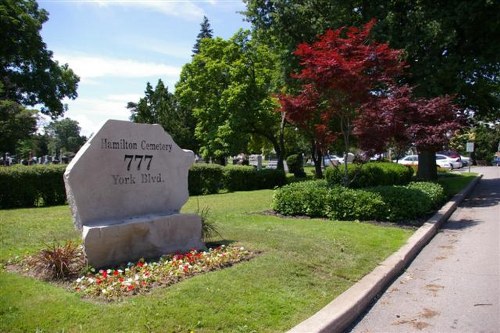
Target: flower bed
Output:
[(142, 276)]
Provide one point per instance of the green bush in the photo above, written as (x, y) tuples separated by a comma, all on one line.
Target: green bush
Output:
[(295, 164), (240, 178), (433, 190), (248, 178), (349, 204), (370, 174), (32, 186), (302, 198), (270, 178), (205, 178), (392, 203), (403, 203)]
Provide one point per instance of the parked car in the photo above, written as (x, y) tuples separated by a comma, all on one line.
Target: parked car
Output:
[(455, 162), (441, 160), (408, 160), (465, 160), (456, 159), (329, 160), (495, 161)]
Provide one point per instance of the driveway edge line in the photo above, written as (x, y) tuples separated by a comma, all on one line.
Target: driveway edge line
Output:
[(345, 309)]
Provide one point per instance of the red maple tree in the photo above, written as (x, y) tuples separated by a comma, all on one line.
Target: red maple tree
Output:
[(350, 86)]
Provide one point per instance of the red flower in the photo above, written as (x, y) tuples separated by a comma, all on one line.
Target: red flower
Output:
[(186, 268), (115, 273), (140, 264), (131, 287), (104, 274), (98, 281)]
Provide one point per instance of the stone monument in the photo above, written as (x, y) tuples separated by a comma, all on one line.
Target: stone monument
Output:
[(125, 188)]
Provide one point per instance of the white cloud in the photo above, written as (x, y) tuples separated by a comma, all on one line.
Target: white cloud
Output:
[(185, 9), (91, 113), (91, 67), (176, 49)]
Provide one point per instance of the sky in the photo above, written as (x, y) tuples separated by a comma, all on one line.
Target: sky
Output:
[(117, 46)]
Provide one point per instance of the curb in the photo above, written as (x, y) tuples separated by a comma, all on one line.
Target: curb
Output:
[(345, 309)]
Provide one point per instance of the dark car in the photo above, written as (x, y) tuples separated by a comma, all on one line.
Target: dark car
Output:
[(496, 161)]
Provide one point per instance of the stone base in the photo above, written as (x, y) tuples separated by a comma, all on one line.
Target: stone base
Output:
[(144, 237)]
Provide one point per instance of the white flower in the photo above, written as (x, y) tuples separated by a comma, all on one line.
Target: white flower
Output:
[(104, 291)]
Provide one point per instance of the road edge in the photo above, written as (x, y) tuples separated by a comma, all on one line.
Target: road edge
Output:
[(345, 309)]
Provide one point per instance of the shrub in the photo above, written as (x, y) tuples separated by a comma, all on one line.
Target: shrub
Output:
[(205, 178), (403, 203), (302, 198), (433, 190), (270, 178), (295, 164), (349, 204), (31, 186), (240, 178), (248, 178), (370, 174)]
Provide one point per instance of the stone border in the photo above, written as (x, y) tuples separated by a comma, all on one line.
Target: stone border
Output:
[(345, 309)]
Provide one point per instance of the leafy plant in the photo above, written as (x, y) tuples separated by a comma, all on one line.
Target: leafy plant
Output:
[(209, 228), (433, 190), (58, 261)]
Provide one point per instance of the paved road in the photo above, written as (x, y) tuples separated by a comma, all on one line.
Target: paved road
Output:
[(454, 283)]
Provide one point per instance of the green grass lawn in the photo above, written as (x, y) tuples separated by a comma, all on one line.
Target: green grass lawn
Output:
[(302, 265)]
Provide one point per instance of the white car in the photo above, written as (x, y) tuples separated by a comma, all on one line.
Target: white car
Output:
[(448, 162), (442, 161), (329, 160), (408, 160)]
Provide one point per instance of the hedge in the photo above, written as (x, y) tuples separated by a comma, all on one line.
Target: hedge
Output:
[(205, 178), (370, 174), (382, 203), (248, 178), (301, 198), (43, 185), (32, 186)]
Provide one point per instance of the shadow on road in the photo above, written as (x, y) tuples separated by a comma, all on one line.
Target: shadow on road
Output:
[(487, 194), (459, 225)]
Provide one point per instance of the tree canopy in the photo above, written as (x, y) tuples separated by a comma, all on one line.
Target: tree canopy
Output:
[(159, 106), (64, 136), (16, 123), (205, 32), (349, 83), (451, 46), (228, 86), (27, 71)]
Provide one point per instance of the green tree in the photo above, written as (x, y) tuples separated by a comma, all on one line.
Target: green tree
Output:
[(486, 141), (227, 86), (159, 106), (16, 123), (29, 74), (205, 32), (64, 136), (451, 46)]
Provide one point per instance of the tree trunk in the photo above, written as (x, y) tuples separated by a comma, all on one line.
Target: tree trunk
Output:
[(316, 157), (280, 147), (427, 169)]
